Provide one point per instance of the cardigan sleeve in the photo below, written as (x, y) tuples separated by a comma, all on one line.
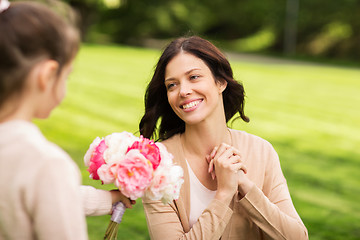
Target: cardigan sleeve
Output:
[(272, 209), (164, 222), (96, 202)]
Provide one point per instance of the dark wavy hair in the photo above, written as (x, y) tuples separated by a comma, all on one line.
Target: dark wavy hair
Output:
[(156, 102)]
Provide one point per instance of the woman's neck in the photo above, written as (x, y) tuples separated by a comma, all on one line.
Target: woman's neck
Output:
[(198, 142), (201, 139)]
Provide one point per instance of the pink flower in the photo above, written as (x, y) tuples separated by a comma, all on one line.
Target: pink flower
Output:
[(96, 160), (137, 166), (90, 151), (158, 184), (149, 150), (107, 173), (134, 174)]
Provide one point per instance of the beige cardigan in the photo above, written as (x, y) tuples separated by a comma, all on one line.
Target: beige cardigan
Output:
[(40, 193), (266, 212)]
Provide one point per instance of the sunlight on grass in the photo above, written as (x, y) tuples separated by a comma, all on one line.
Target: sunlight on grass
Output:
[(310, 113)]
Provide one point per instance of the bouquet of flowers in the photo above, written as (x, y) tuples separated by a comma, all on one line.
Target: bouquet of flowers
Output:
[(137, 166)]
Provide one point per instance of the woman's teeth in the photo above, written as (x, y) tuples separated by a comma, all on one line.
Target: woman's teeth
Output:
[(191, 104)]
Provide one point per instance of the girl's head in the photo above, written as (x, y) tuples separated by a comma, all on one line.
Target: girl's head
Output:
[(156, 102), (34, 41)]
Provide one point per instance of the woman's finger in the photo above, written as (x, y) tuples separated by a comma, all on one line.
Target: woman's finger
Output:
[(226, 155), (213, 175), (212, 154), (220, 150), (234, 159), (211, 169), (239, 167), (211, 166), (207, 158), (236, 152)]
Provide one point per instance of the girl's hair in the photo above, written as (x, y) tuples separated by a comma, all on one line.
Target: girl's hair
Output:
[(30, 33), (156, 102)]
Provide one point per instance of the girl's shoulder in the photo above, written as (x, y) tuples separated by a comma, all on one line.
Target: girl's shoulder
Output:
[(29, 155), (23, 138)]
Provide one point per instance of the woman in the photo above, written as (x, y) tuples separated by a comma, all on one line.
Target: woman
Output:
[(234, 187)]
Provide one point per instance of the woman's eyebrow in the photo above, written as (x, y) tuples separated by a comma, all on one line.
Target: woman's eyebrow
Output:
[(186, 73)]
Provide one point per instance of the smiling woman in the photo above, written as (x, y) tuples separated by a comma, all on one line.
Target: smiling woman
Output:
[(192, 91), (156, 101), (233, 183)]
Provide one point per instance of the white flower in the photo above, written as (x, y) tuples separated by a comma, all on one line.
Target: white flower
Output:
[(172, 191), (167, 179), (4, 4), (166, 157), (166, 184), (118, 143)]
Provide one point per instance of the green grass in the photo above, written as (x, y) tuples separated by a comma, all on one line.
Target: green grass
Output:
[(310, 113)]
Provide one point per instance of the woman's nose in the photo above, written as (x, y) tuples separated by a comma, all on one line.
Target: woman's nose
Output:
[(185, 89)]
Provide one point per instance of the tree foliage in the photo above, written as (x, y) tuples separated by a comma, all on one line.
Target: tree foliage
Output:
[(323, 28)]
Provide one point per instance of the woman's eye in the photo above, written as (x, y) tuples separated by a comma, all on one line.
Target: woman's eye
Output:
[(194, 77), (170, 85)]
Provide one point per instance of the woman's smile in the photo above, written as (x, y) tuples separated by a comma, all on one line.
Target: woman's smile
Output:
[(190, 106)]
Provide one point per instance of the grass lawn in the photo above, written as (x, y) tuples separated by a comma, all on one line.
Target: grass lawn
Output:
[(310, 113)]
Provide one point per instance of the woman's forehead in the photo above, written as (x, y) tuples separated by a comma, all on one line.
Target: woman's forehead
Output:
[(184, 63)]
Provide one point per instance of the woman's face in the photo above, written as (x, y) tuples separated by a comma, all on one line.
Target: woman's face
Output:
[(192, 91)]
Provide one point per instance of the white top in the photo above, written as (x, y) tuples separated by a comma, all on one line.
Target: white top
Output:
[(40, 193), (200, 197)]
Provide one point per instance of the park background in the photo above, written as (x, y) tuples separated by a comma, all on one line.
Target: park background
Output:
[(298, 61)]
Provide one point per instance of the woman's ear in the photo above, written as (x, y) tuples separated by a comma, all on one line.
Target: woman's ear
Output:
[(222, 84), (47, 74)]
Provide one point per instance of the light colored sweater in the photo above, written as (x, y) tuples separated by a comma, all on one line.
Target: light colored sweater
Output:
[(266, 211), (40, 193)]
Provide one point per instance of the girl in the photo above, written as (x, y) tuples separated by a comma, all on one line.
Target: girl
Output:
[(234, 187), (39, 183)]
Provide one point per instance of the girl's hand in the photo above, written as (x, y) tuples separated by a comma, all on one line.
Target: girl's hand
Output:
[(225, 161), (117, 196)]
